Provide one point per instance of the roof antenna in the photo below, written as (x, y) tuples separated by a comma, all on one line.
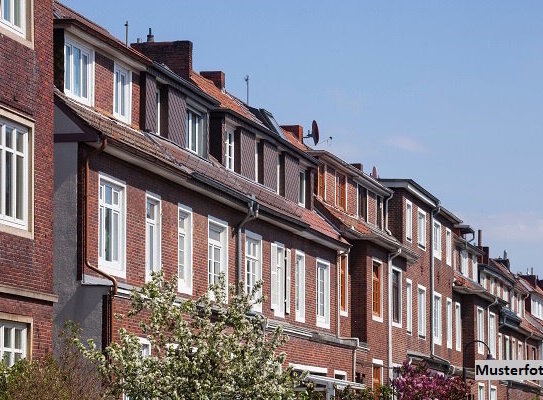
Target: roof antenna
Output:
[(247, 82), (126, 33)]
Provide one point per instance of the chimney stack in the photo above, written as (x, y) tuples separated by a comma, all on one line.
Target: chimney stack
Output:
[(505, 254), (150, 37), (480, 238), (296, 130), (217, 77)]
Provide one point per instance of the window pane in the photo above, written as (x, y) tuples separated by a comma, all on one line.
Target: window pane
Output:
[(9, 137), (181, 256), (109, 190), (194, 128), (67, 66), (116, 94), (107, 231), (115, 237), (101, 231), (17, 13), (19, 188), (214, 235), (77, 71), (84, 74), (122, 94), (18, 339), (7, 338), (9, 184), (20, 141), (7, 10)]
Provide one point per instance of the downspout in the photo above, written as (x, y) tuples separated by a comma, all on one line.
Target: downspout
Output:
[(526, 345), (435, 211), (252, 213), (114, 287), (391, 257), (338, 334)]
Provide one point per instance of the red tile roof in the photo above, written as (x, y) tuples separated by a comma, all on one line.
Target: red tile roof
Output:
[(189, 163), (62, 12), (293, 139)]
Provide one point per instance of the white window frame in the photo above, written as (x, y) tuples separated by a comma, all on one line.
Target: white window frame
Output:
[(464, 263), (343, 374), (379, 363), (157, 96), (409, 306), (344, 313), (400, 294), (12, 326), (421, 312), (513, 348), (492, 333), (299, 286), (301, 188), (480, 330), (493, 389), (378, 318), (437, 240), (256, 160), (156, 224), (278, 174), (256, 263), (506, 347), (116, 268), (229, 149), (277, 277), (15, 154), (10, 23), (458, 326), (222, 228), (200, 126), (474, 268), (481, 391), (500, 347), (449, 317), (408, 221), (448, 246), (71, 42), (438, 319), (185, 235), (323, 321), (421, 229), (126, 114)]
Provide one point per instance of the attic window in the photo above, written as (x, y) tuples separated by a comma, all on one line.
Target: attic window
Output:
[(13, 14), (195, 133), (78, 71)]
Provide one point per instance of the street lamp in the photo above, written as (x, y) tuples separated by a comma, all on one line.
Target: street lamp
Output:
[(488, 357)]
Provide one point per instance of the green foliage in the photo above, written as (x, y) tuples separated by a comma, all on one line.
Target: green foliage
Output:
[(71, 377), (201, 349)]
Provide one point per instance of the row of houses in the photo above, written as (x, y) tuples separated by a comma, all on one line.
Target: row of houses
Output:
[(118, 161)]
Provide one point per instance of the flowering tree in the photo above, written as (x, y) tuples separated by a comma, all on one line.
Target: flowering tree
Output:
[(201, 349), (417, 383)]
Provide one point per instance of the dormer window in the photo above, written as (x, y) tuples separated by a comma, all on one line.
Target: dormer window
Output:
[(78, 71), (301, 189), (229, 150), (157, 98), (12, 14), (195, 132), (122, 103), (341, 191)]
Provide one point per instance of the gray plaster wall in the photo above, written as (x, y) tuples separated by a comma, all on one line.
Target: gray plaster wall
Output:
[(76, 301)]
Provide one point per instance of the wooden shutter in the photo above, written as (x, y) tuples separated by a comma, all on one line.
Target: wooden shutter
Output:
[(273, 278), (288, 273)]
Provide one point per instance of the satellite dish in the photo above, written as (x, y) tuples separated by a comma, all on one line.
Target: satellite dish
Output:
[(314, 133)]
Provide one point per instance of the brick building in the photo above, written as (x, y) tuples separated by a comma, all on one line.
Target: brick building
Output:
[(26, 179)]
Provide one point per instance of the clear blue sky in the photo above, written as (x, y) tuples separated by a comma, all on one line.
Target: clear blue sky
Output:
[(447, 93)]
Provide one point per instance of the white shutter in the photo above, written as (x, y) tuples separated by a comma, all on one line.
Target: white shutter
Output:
[(273, 278), (287, 280)]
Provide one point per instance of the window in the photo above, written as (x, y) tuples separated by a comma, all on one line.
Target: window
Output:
[(492, 333), (278, 175), (229, 150), (257, 161), (343, 271), (111, 226), (396, 297), (377, 374), (280, 279), (519, 350), (341, 375), (145, 352), (14, 174), (321, 181), (340, 191), (500, 347), (253, 265), (505, 294), (122, 94), (217, 250), (409, 305), (157, 96), (301, 188), (513, 349), (437, 240), (474, 268), (537, 307), (376, 291), (492, 285), (437, 319), (480, 330), (12, 342), (379, 211), (448, 246), (78, 72), (195, 133), (362, 200), (464, 262), (152, 236), (323, 294), (300, 286), (506, 348), (13, 14), (458, 326), (421, 229), (421, 304), (408, 220), (493, 393), (449, 323), (184, 249), (481, 391)]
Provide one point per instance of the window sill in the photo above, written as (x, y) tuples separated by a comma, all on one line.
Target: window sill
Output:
[(377, 318), (344, 313), (82, 100), (112, 270), (16, 230), (397, 324), (16, 35), (300, 319), (323, 325), (423, 337), (422, 247)]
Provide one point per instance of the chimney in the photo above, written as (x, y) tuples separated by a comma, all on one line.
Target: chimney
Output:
[(505, 254), (358, 166), (217, 77), (296, 130), (175, 55), (480, 238), (486, 255), (150, 37), (374, 172)]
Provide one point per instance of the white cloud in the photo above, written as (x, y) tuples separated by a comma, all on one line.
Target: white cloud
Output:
[(521, 227), (406, 143)]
